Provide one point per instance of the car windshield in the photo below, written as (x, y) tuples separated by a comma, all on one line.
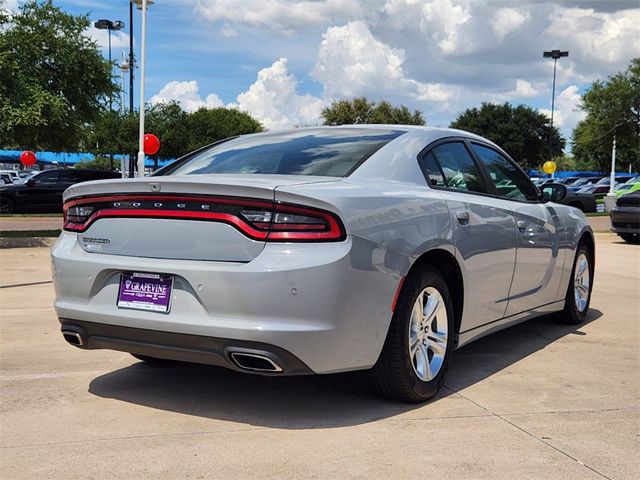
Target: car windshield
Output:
[(326, 152)]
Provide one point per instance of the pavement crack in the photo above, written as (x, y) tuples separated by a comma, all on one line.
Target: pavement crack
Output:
[(129, 437), (526, 432), (26, 284)]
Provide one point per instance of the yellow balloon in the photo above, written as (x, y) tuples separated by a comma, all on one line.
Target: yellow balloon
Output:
[(549, 167)]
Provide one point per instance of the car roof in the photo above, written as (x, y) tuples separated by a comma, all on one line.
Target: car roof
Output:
[(434, 132)]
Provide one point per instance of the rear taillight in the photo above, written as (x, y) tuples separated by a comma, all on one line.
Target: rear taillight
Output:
[(257, 219), (76, 217)]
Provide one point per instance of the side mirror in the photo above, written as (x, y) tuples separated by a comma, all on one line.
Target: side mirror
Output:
[(554, 192), (30, 183)]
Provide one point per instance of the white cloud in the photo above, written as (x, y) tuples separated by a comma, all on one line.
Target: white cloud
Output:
[(566, 113), (186, 94), (442, 21), (119, 39), (439, 56), (351, 62), (283, 16), (507, 20), (596, 37), (273, 99)]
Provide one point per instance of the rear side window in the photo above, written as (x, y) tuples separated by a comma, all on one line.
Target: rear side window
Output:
[(70, 176), (326, 152), (450, 165), (509, 181)]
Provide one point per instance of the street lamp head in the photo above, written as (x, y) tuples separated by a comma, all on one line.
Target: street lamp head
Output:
[(555, 54), (118, 25), (138, 3), (103, 24)]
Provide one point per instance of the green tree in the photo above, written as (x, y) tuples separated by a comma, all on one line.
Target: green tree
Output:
[(208, 125), (53, 79), (360, 110), (179, 132), (521, 131), (612, 108), (98, 163)]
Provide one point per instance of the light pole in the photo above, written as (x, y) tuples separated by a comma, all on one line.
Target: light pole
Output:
[(124, 67), (555, 54), (142, 5), (104, 24)]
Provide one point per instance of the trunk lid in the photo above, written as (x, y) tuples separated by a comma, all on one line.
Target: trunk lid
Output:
[(193, 217)]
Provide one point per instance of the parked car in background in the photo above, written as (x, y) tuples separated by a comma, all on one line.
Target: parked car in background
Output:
[(43, 191), (598, 191), (585, 202), (10, 177), (566, 180), (320, 250), (583, 182), (626, 188), (625, 217)]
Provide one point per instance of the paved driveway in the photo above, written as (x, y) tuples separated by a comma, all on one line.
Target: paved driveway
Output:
[(539, 400)]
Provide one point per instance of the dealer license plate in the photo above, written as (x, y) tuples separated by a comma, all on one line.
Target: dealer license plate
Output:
[(145, 291)]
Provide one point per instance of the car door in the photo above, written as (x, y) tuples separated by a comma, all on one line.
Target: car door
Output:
[(539, 259), (484, 232), (42, 191)]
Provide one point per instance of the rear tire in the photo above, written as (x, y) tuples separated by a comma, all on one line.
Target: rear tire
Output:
[(630, 237), (418, 348), (578, 298)]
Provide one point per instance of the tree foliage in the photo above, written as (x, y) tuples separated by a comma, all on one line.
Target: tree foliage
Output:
[(612, 107), (179, 132), (521, 131), (360, 110), (53, 79)]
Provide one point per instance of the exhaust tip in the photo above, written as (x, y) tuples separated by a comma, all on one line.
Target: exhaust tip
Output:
[(255, 362), (74, 338)]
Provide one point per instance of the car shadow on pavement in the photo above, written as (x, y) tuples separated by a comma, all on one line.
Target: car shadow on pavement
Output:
[(321, 401)]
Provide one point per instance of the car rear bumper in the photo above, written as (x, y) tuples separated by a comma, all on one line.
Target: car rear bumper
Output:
[(625, 220), (327, 305), (222, 352)]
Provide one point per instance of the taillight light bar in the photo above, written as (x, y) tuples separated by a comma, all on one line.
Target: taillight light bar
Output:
[(257, 219)]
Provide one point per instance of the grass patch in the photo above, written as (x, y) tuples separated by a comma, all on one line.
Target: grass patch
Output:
[(597, 214), (29, 233)]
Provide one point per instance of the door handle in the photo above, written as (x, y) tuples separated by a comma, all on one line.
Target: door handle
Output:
[(463, 217), (522, 225)]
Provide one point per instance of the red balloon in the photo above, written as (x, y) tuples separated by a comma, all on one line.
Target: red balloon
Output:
[(151, 144), (28, 158)]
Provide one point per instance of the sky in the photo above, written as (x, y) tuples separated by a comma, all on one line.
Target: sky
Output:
[(284, 60)]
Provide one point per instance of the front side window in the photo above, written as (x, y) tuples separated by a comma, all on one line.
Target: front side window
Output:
[(450, 165), (509, 181), (46, 178), (326, 152)]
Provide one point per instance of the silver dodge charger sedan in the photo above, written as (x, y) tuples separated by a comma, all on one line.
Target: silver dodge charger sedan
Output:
[(320, 250)]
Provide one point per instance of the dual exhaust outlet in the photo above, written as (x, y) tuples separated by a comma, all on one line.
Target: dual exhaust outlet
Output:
[(246, 360)]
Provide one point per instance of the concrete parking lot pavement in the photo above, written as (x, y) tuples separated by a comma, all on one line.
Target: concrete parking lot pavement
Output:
[(539, 400), (30, 222)]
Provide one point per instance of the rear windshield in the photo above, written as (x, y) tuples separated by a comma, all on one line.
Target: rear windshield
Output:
[(325, 152)]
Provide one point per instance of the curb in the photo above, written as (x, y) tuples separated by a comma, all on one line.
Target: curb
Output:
[(26, 242)]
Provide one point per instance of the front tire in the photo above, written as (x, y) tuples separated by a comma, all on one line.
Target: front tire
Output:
[(578, 298), (7, 205), (418, 348)]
